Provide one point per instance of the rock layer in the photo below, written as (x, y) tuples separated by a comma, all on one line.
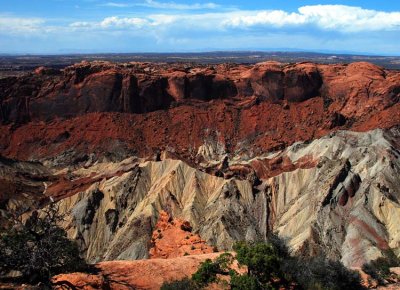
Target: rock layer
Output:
[(105, 108)]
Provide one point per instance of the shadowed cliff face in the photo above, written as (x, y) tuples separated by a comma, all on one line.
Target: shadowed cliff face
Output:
[(237, 151), (142, 88), (137, 88)]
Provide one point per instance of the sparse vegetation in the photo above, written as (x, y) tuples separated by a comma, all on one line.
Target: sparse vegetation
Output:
[(380, 268), (239, 282), (322, 273), (262, 261), (269, 266), (208, 270), (37, 249)]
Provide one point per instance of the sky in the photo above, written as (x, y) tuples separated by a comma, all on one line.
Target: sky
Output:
[(124, 26)]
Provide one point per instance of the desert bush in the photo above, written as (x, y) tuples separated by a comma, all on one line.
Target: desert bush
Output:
[(379, 269), (244, 282), (322, 273), (208, 270), (38, 249), (270, 266), (261, 259)]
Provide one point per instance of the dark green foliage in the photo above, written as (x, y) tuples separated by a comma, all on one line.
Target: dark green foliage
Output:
[(322, 273), (224, 261), (208, 270), (184, 284), (380, 268), (261, 259), (244, 282), (271, 267), (39, 249), (207, 273)]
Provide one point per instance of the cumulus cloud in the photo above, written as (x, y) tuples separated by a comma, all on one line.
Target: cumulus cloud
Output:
[(229, 29), (340, 18), (164, 5), (126, 23), (329, 17)]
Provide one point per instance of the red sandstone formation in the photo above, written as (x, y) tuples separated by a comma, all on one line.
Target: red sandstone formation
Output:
[(174, 238), (141, 274), (136, 107)]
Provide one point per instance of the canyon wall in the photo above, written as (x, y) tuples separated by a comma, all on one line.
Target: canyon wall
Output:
[(308, 151)]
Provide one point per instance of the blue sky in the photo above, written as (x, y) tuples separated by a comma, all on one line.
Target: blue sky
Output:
[(93, 26)]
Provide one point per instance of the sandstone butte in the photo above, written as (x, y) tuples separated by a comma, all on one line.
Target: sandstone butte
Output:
[(141, 156)]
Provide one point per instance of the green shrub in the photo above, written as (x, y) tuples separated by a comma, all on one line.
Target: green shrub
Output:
[(38, 249), (208, 270), (379, 269), (224, 261), (261, 259), (271, 267), (322, 273), (207, 273), (244, 282)]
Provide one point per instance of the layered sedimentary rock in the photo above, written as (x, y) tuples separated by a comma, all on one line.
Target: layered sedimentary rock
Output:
[(344, 202), (345, 206), (236, 151), (110, 109)]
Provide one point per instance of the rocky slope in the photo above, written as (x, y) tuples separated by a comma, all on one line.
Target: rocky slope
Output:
[(344, 203), (174, 238), (237, 151)]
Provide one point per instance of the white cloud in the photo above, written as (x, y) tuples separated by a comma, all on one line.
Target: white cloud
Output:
[(81, 24), (115, 4), (123, 22), (330, 17), (19, 25), (164, 5), (340, 18), (173, 5)]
